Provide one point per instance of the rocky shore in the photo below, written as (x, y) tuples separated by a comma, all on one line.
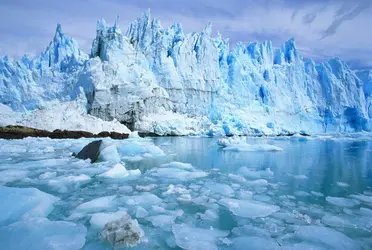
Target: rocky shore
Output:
[(20, 132)]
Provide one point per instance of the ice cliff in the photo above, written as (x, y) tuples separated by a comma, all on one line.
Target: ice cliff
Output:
[(164, 81)]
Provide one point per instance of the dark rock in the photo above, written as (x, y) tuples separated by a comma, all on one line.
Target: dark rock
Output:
[(115, 135), (90, 151), (20, 132), (104, 134)]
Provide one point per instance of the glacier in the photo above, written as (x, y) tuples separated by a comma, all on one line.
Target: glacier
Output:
[(164, 81)]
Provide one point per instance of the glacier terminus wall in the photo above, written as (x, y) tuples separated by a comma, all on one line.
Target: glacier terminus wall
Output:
[(161, 80)]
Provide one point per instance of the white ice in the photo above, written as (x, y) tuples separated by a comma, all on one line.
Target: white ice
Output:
[(23, 203), (41, 233), (188, 237), (342, 202), (99, 220), (249, 208), (120, 172)]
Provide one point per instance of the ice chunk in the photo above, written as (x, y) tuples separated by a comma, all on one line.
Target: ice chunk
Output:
[(254, 174), (64, 184), (318, 194), (237, 178), (12, 175), (97, 205), (362, 198), (244, 195), (330, 237), (179, 165), (142, 199), (220, 188), (342, 184), (109, 153), (365, 211), (147, 188), (48, 175), (188, 237), (252, 148), (301, 193), (134, 135), (119, 172), (348, 221), (179, 174), (254, 243), (21, 203), (227, 141), (163, 221), (342, 202), (249, 208), (300, 177), (210, 214), (41, 233), (257, 183), (123, 232), (176, 190), (250, 230), (99, 220), (141, 212)]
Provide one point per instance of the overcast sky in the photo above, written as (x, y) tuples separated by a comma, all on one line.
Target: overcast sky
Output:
[(321, 28)]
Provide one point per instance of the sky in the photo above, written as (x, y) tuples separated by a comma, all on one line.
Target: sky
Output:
[(321, 28)]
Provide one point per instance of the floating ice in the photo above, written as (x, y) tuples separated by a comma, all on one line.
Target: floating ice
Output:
[(318, 194), (254, 243), (227, 141), (179, 174), (179, 165), (342, 184), (362, 198), (342, 202), (210, 214), (97, 205), (12, 175), (41, 233), (301, 193), (64, 184), (119, 172), (257, 183), (99, 220), (144, 199), (249, 208), (255, 174), (250, 230), (176, 190), (21, 203), (300, 177), (220, 188), (147, 188), (123, 232), (188, 237), (163, 221), (108, 152), (141, 212), (327, 236), (252, 148), (48, 175)]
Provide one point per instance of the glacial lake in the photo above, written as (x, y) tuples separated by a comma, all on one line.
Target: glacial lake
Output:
[(191, 193)]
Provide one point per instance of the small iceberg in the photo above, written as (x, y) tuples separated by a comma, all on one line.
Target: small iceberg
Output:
[(119, 172), (237, 144)]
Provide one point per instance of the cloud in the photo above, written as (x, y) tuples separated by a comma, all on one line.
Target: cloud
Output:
[(345, 14), (341, 23)]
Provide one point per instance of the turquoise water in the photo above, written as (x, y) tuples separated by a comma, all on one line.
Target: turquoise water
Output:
[(314, 194)]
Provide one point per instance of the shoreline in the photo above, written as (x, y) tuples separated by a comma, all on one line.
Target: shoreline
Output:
[(20, 132)]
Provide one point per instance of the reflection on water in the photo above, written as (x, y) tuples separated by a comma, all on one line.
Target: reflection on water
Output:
[(324, 162)]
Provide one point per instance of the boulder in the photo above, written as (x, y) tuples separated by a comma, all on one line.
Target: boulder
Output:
[(90, 151)]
